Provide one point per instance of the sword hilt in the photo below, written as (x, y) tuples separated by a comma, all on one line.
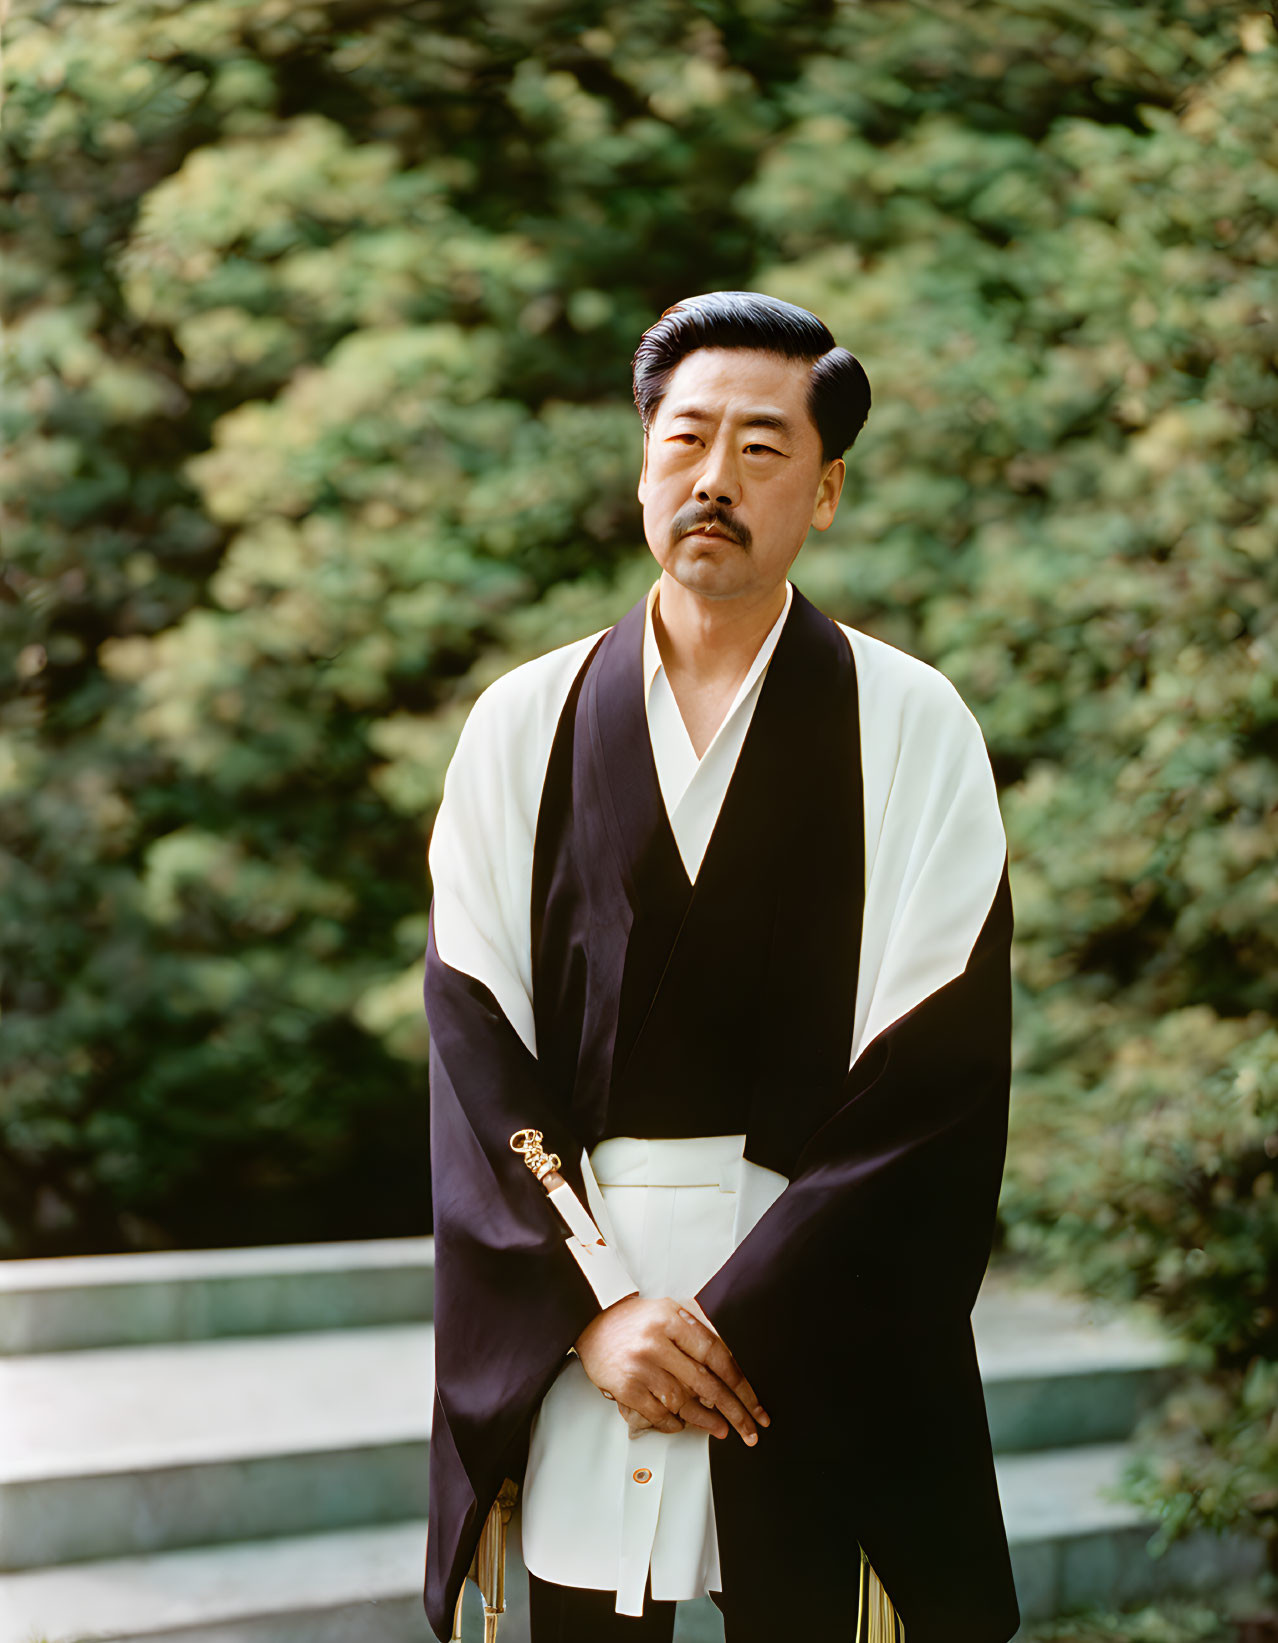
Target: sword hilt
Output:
[(538, 1160)]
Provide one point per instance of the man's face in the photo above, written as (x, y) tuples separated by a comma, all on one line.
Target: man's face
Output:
[(732, 446)]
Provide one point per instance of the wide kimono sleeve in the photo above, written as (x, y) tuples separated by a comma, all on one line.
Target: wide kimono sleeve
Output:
[(510, 1298), (848, 1303)]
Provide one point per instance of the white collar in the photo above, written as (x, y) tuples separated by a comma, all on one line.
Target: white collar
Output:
[(652, 663)]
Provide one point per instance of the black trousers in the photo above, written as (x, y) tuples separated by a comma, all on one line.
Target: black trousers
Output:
[(576, 1614)]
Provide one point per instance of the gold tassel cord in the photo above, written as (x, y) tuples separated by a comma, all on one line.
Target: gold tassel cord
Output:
[(457, 1615), (876, 1619), (488, 1566)]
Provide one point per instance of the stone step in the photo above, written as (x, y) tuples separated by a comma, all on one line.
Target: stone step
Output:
[(107, 1452), (81, 1302), (1057, 1369), (345, 1586), (1070, 1546), (1073, 1545), (124, 1451), (1060, 1369)]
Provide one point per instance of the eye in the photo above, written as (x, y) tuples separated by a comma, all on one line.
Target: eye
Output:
[(769, 448)]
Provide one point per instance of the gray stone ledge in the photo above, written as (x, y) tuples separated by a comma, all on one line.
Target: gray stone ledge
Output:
[(90, 1301)]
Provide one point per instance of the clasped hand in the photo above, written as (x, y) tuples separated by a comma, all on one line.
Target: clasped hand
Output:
[(668, 1369)]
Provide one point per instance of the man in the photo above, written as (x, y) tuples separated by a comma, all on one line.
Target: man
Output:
[(721, 908)]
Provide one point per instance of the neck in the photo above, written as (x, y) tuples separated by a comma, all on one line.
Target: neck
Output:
[(704, 639)]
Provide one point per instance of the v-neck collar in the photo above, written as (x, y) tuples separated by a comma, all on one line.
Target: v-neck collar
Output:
[(692, 788), (615, 703), (652, 663)]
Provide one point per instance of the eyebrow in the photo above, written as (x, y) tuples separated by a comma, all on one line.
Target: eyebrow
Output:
[(753, 419)]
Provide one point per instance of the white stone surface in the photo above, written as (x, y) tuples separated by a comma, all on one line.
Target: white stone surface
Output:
[(141, 1596), (1062, 1492), (84, 1304), (74, 1414), (166, 1266), (1028, 1330), (269, 1421), (364, 1585)]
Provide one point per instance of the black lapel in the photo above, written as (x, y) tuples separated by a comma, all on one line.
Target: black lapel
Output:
[(768, 944), (638, 826), (664, 1004)]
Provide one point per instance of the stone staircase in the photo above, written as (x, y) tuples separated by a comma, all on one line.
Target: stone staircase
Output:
[(230, 1446)]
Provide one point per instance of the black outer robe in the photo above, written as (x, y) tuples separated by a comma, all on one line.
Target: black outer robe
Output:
[(667, 1008)]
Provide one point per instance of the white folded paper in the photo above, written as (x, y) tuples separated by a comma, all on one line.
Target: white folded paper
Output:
[(601, 1264)]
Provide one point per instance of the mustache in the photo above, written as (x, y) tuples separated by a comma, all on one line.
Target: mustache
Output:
[(697, 519)]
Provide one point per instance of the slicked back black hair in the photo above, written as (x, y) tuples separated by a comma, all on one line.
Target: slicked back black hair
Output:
[(838, 391)]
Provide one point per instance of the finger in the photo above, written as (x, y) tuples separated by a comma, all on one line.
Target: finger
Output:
[(635, 1422), (672, 1394), (710, 1390), (694, 1306), (712, 1393), (642, 1399), (692, 1337), (668, 1389), (695, 1413)]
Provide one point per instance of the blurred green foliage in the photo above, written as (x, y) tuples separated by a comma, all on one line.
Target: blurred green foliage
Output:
[(319, 319), (1170, 1621)]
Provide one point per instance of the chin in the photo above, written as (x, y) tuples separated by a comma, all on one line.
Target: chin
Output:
[(709, 570)]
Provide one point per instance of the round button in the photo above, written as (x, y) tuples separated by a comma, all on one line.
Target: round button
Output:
[(641, 1475)]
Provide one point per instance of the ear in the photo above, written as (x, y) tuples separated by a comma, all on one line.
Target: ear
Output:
[(643, 472), (828, 493)]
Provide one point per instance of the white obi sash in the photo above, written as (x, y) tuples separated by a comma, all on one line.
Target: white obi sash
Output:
[(602, 1509)]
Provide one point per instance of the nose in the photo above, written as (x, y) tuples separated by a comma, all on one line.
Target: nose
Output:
[(718, 480)]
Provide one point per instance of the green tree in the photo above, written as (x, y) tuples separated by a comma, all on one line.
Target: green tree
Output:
[(319, 322), (317, 318)]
